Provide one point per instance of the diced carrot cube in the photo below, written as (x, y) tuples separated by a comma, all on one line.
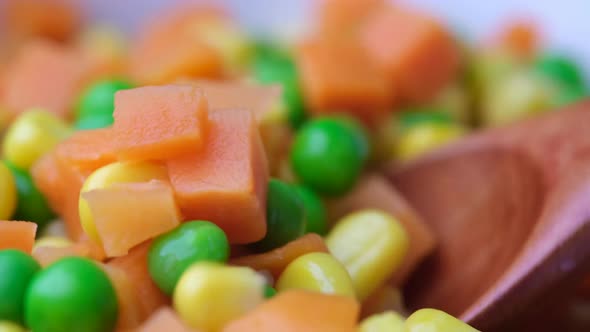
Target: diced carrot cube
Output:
[(418, 55), (226, 181), (339, 76), (165, 319), (159, 122), (342, 18), (128, 214), (299, 310), (276, 260), (142, 296), (375, 192), (88, 149), (17, 235), (56, 19), (43, 75)]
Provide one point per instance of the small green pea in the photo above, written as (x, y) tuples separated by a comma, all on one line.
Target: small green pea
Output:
[(569, 95), (285, 216), (327, 157), (315, 212), (31, 205), (98, 102), (172, 253), (560, 69), (72, 294), (269, 292), (16, 271), (274, 66)]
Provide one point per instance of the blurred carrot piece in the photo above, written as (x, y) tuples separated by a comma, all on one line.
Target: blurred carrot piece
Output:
[(17, 235), (55, 19), (417, 54), (342, 18), (165, 319), (520, 37), (338, 76), (276, 260)]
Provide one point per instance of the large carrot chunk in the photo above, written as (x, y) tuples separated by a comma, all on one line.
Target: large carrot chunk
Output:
[(276, 260), (417, 53), (375, 192), (226, 181), (88, 150), (128, 214), (340, 76), (298, 311), (165, 319), (138, 295), (159, 122), (17, 235), (56, 19), (43, 75)]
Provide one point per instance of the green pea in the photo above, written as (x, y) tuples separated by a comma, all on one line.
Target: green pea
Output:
[(360, 135), (559, 69), (72, 294), (315, 212), (327, 157), (98, 102), (269, 292), (274, 66), (16, 271), (31, 205), (285, 216), (172, 253), (569, 95)]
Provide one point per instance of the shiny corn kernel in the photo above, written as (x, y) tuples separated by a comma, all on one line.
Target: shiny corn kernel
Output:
[(433, 320), (372, 245), (385, 322), (31, 135), (6, 326), (104, 177), (319, 272), (52, 241), (8, 193), (208, 295), (426, 137)]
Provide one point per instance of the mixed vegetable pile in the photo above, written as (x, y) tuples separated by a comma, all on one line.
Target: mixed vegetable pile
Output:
[(195, 178)]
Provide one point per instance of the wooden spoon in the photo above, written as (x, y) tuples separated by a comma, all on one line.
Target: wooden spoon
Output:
[(511, 209)]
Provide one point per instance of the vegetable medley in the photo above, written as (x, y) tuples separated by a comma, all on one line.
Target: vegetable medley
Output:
[(195, 178)]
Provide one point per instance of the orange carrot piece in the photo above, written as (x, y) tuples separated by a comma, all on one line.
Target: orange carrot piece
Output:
[(17, 235), (422, 60), (342, 18), (276, 260), (130, 314), (159, 122), (128, 214), (134, 267), (521, 38), (299, 311), (340, 76), (375, 192), (165, 319), (225, 182), (56, 19), (88, 150), (43, 75)]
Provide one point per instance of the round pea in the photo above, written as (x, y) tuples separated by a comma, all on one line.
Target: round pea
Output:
[(72, 294), (16, 271), (560, 69), (274, 66), (172, 253), (31, 205), (285, 216), (315, 212), (269, 292), (327, 155), (8, 193), (97, 102)]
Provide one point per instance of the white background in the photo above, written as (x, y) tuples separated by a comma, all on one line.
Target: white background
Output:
[(566, 23)]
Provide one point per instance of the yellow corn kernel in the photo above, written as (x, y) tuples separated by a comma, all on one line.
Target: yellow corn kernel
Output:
[(520, 95), (388, 321), (208, 295), (31, 135), (426, 137), (371, 244), (103, 41), (8, 193), (231, 43), (52, 241), (6, 326), (319, 272), (433, 320), (115, 173)]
